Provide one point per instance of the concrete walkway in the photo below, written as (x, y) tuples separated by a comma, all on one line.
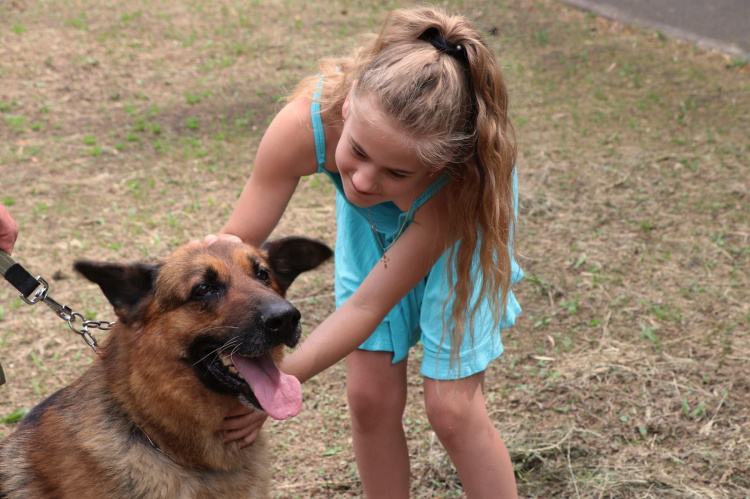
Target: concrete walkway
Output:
[(722, 25)]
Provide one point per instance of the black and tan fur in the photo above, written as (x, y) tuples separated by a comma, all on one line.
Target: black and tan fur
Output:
[(143, 421)]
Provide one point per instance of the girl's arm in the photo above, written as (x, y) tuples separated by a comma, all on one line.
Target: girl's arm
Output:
[(411, 257), (286, 153)]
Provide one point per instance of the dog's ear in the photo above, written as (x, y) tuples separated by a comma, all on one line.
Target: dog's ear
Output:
[(123, 285), (290, 256)]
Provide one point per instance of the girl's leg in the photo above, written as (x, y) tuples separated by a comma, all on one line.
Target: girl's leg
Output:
[(376, 390), (458, 415)]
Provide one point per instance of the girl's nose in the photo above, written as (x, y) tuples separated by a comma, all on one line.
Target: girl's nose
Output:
[(365, 180)]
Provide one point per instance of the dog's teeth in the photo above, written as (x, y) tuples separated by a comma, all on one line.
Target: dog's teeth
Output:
[(233, 370), (226, 361)]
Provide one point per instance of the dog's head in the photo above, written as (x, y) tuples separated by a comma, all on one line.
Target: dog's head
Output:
[(216, 312)]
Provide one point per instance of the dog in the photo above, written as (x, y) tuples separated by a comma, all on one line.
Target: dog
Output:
[(195, 333)]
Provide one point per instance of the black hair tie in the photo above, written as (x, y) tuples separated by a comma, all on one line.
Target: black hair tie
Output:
[(434, 37)]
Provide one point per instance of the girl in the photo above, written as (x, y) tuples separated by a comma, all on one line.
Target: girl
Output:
[(414, 132)]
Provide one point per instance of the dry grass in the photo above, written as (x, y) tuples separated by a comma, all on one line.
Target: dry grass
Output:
[(129, 128)]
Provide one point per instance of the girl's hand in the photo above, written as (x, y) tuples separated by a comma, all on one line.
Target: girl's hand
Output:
[(243, 424), (212, 238)]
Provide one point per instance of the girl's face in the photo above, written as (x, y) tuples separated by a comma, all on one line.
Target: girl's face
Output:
[(375, 161)]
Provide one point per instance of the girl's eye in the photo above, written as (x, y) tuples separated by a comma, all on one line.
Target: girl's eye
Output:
[(396, 174), (263, 275), (203, 290), (357, 152)]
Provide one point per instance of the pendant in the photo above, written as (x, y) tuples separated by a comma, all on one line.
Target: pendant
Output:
[(385, 261)]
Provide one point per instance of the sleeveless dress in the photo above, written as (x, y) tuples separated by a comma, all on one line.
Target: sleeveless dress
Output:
[(422, 313)]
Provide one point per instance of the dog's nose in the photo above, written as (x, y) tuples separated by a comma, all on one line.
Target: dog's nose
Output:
[(281, 322)]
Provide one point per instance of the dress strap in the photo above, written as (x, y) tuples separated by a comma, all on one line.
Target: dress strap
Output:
[(431, 190), (317, 124)]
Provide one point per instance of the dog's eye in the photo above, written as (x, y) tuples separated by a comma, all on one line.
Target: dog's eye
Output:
[(263, 275), (202, 290)]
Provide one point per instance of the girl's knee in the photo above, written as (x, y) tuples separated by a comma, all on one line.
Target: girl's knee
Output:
[(372, 408), (372, 402), (375, 389), (447, 417), (363, 399), (453, 407)]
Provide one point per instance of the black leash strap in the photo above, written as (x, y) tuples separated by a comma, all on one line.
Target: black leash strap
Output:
[(15, 274)]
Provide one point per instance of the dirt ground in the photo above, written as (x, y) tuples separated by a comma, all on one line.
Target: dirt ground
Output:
[(128, 128)]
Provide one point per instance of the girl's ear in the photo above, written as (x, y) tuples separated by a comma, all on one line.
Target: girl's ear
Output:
[(345, 107)]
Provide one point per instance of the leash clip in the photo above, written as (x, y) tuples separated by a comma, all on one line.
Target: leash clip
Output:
[(39, 294), (62, 311), (26, 283)]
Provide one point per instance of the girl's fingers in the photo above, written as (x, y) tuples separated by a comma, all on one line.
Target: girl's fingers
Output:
[(212, 238), (236, 422), (249, 439), (239, 410), (231, 436), (243, 424), (247, 433)]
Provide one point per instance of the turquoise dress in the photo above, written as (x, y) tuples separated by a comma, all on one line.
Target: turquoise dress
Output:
[(420, 314)]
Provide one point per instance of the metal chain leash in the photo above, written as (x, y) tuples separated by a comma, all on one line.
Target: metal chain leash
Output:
[(67, 314)]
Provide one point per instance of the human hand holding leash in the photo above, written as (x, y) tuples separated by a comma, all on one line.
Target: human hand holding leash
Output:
[(8, 231), (8, 236)]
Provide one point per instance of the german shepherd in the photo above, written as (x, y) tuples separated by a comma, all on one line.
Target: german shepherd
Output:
[(195, 333)]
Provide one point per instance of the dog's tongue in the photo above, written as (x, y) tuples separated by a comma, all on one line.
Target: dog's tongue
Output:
[(279, 394)]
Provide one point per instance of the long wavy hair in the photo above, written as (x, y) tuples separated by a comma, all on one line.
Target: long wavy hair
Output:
[(457, 110)]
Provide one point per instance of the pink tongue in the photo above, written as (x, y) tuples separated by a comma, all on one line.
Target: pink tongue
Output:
[(279, 394)]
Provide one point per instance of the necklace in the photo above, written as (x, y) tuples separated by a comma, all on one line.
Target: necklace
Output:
[(385, 258)]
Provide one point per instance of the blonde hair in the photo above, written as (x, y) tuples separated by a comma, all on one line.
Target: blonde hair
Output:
[(457, 110)]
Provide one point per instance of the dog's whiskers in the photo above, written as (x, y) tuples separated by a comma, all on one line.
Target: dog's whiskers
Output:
[(215, 328), (233, 342), (233, 350)]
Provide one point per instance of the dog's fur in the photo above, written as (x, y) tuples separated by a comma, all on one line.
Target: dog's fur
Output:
[(143, 421)]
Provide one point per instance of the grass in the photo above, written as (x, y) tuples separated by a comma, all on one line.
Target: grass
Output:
[(129, 129)]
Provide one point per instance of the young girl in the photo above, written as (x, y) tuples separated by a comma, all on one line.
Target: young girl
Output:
[(414, 132)]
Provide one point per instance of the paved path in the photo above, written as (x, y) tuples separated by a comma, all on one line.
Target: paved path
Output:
[(722, 25)]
